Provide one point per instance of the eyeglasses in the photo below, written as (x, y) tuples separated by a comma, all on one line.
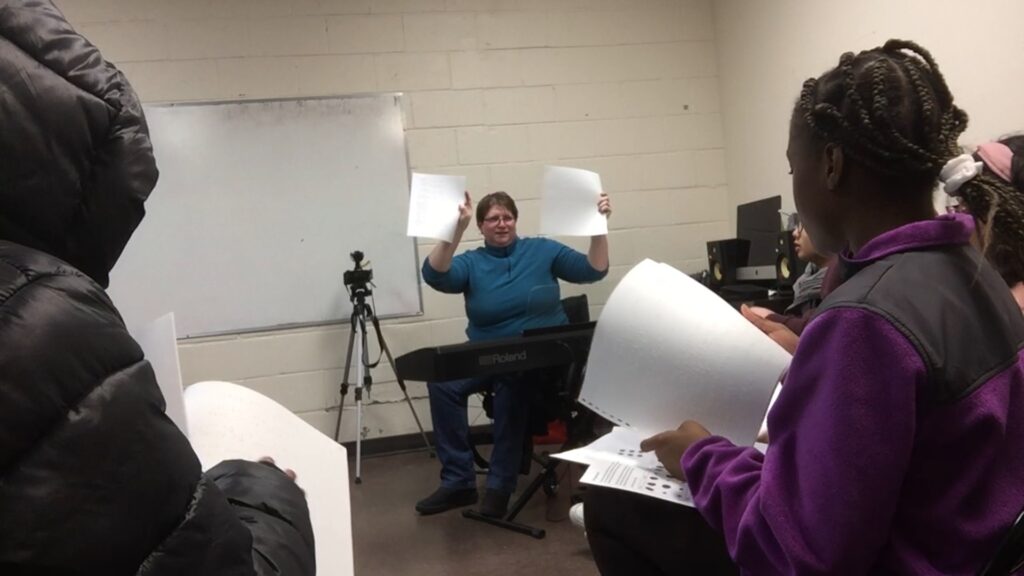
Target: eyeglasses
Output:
[(504, 218)]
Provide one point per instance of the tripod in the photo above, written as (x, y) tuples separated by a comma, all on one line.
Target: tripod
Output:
[(361, 312)]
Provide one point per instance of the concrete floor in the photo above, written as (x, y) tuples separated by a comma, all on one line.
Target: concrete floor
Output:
[(390, 538)]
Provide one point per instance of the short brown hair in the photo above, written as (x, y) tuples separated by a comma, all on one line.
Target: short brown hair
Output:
[(495, 199)]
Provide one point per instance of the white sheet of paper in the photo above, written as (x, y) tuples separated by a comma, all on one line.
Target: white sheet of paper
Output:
[(159, 343), (229, 421), (763, 431), (620, 445), (569, 203), (640, 472), (667, 349), (654, 483), (434, 205)]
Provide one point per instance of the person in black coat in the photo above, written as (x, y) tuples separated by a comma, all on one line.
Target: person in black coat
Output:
[(94, 477)]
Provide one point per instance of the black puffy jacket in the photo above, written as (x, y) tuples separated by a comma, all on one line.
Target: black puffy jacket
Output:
[(94, 478)]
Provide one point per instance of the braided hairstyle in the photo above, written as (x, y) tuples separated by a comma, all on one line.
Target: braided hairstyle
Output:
[(890, 110), (998, 206)]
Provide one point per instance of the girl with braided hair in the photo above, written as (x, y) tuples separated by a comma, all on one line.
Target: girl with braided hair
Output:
[(989, 185), (898, 437)]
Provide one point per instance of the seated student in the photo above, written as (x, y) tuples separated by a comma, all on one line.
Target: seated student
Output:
[(808, 291), (990, 187), (94, 477), (898, 438), (510, 284), (992, 181)]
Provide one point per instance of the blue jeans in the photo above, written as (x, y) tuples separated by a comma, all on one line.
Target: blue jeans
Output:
[(451, 429)]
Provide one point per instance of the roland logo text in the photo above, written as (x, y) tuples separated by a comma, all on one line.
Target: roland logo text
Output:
[(502, 358)]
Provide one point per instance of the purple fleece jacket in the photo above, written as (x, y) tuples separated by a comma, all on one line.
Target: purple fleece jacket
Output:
[(863, 475)]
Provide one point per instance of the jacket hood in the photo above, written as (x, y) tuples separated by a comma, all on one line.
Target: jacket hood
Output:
[(76, 162)]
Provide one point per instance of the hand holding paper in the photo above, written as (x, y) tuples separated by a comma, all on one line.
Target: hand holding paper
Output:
[(465, 215), (666, 349), (669, 446), (616, 461), (778, 332), (228, 421), (269, 461), (604, 205), (436, 206), (567, 203)]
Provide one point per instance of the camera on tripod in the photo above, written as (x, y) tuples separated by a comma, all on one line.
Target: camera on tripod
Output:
[(358, 280)]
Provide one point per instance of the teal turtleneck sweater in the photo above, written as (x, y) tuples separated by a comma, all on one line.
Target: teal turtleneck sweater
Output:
[(513, 288)]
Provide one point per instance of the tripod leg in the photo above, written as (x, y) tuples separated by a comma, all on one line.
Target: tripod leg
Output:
[(363, 382), (344, 379), (359, 435), (401, 383)]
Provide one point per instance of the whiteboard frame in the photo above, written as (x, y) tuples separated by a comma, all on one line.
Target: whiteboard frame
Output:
[(400, 98)]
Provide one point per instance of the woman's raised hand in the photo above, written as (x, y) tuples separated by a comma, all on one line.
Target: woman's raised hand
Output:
[(604, 205), (465, 214)]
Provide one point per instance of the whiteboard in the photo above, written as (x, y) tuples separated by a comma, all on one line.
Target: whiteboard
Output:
[(256, 211)]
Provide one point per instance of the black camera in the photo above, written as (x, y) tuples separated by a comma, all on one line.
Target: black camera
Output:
[(359, 278)]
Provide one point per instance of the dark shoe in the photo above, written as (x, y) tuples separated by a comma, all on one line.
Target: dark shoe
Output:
[(444, 499), (495, 503)]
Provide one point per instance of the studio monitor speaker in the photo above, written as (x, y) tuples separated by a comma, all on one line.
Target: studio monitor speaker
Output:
[(787, 266), (724, 257)]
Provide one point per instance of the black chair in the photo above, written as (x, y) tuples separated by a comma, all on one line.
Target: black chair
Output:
[(1009, 557), (553, 402)]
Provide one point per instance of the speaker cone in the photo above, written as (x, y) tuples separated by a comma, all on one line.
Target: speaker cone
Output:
[(785, 272)]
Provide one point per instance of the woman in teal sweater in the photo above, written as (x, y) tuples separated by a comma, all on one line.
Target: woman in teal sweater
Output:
[(510, 285)]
